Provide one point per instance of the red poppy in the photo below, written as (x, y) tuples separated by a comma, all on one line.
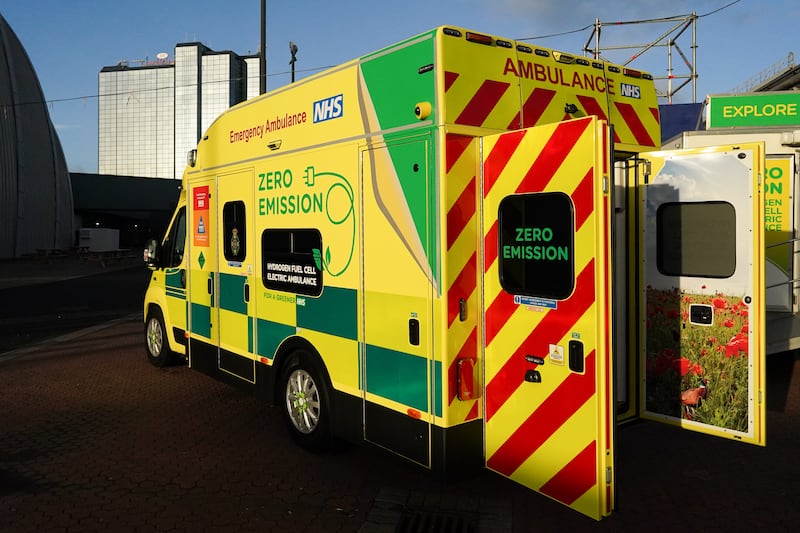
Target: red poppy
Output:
[(720, 303), (682, 365), (737, 344), (728, 323)]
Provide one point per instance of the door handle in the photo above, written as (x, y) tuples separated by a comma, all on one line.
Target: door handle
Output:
[(210, 286), (576, 356), (413, 331), (246, 292)]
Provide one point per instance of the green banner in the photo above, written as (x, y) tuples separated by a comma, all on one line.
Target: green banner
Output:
[(779, 211), (762, 109)]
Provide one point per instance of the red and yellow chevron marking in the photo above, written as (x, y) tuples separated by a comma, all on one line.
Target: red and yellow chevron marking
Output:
[(554, 436), (461, 268), (484, 86), (637, 127)]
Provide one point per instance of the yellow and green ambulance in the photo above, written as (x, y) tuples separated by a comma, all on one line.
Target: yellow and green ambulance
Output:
[(442, 249)]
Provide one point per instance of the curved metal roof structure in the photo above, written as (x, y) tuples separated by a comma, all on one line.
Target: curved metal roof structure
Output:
[(35, 192)]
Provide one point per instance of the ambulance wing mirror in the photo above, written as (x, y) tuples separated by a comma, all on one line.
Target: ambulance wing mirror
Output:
[(152, 254)]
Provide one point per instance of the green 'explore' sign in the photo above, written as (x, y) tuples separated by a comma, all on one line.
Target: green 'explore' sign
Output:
[(761, 109)]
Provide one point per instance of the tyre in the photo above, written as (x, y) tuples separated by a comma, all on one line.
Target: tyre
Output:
[(155, 340), (305, 402)]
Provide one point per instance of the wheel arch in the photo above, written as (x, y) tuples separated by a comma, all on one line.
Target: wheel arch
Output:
[(289, 351), (154, 306)]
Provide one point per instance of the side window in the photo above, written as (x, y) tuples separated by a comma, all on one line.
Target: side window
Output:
[(175, 243), (696, 239), (292, 260), (234, 231), (536, 245)]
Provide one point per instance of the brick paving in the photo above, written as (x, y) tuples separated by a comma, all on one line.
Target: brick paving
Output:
[(93, 438)]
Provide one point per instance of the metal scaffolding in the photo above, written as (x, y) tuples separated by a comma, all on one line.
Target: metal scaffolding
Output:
[(668, 39)]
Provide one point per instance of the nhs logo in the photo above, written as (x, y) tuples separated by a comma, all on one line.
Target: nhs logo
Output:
[(631, 91), (328, 108)]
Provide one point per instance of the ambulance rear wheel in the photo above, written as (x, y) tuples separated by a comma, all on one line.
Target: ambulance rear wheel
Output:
[(155, 340), (306, 405)]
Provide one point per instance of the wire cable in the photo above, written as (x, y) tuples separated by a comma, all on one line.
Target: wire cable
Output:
[(625, 22)]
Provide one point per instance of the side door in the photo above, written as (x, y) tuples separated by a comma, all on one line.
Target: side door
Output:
[(398, 282), (549, 417), (703, 290), (235, 304), (201, 268)]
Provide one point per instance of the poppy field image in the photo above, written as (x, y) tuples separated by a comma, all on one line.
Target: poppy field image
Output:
[(713, 358)]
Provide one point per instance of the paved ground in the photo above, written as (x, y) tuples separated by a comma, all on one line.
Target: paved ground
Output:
[(43, 298), (43, 269), (93, 438)]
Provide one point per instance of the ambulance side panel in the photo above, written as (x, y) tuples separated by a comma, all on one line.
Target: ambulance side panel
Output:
[(351, 183), (305, 294)]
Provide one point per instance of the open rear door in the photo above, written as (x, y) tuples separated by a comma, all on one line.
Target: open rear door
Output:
[(546, 297), (702, 318)]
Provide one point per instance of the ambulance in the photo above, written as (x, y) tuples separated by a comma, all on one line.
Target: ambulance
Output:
[(470, 252)]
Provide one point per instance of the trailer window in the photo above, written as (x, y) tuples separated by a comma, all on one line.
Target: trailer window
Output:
[(175, 243), (696, 239), (234, 231), (535, 245), (292, 260)]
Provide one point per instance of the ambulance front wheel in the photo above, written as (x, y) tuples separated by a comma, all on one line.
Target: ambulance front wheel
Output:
[(306, 402), (155, 340)]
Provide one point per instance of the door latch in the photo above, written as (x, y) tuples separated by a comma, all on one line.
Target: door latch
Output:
[(533, 376)]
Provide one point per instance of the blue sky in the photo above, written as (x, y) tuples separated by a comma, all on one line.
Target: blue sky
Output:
[(70, 41)]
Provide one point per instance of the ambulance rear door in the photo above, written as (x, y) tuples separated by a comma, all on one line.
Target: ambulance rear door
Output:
[(703, 292), (549, 417)]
